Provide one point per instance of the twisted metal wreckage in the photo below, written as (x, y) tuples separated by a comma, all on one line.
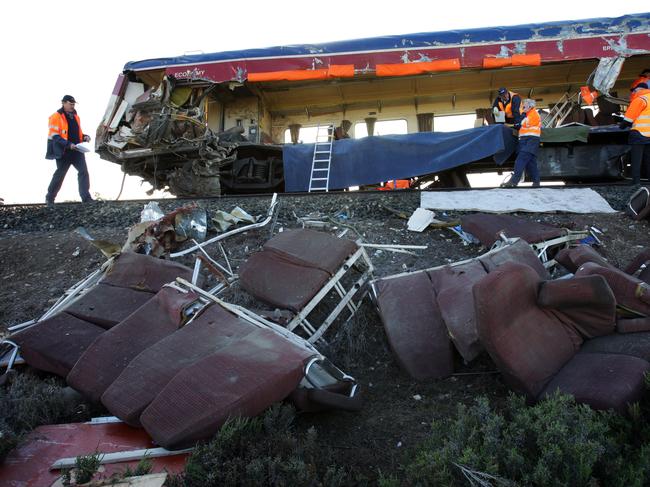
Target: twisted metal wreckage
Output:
[(142, 336), (164, 139)]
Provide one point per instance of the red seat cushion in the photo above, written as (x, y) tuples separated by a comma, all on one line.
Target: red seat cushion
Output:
[(630, 292), (56, 343), (453, 286), (527, 343), (584, 303), (279, 281), (106, 305), (487, 227), (414, 326), (312, 249), (603, 381), (143, 272), (149, 372), (520, 252), (242, 379), (109, 355)]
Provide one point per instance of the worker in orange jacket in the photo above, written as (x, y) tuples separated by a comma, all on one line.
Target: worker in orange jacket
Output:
[(508, 102), (530, 131), (644, 77), (637, 117), (63, 136)]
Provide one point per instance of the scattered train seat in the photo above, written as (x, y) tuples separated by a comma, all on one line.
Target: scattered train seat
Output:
[(56, 343), (414, 326), (424, 310), (631, 293), (538, 353), (487, 227), (453, 287), (149, 372), (296, 269), (242, 379), (111, 353)]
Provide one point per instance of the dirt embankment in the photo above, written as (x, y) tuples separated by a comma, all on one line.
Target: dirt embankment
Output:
[(41, 256)]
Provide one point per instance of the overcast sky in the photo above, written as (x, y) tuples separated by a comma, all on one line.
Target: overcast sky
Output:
[(79, 47)]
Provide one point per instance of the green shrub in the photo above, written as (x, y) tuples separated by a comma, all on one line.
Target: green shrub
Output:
[(28, 402), (261, 451), (556, 442)]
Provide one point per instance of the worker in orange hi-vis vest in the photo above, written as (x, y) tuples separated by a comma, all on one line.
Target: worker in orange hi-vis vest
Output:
[(530, 131), (509, 103), (644, 77), (637, 117), (64, 133)]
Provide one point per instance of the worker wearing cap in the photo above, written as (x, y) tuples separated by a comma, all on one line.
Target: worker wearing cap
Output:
[(637, 117), (63, 136), (530, 131), (508, 102)]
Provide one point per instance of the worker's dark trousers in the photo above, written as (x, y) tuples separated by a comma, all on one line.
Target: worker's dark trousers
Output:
[(62, 166), (640, 153), (526, 162)]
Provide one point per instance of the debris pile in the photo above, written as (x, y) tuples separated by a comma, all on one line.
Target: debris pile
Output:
[(161, 134)]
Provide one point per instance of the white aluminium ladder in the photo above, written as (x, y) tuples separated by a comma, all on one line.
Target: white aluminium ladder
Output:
[(561, 110), (319, 179)]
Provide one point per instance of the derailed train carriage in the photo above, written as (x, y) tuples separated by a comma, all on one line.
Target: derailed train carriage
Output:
[(210, 124)]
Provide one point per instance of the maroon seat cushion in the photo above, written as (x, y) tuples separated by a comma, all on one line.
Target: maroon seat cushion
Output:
[(143, 272), (630, 292), (603, 381), (453, 286), (634, 344), (572, 258), (520, 252), (276, 280), (148, 373), (242, 379), (56, 343), (414, 326), (586, 304), (109, 355), (487, 227), (527, 343), (106, 305), (312, 249)]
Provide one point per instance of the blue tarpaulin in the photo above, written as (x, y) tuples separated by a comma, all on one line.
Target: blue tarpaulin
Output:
[(372, 160)]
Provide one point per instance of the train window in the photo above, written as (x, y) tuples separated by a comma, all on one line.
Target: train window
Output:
[(382, 127), (307, 135)]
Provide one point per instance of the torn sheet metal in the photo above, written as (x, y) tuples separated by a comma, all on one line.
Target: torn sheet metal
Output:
[(161, 236), (28, 465), (225, 220), (109, 249), (420, 220), (638, 206), (162, 136)]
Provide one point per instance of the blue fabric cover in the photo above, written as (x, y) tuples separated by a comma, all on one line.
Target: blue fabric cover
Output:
[(375, 159), (573, 28)]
